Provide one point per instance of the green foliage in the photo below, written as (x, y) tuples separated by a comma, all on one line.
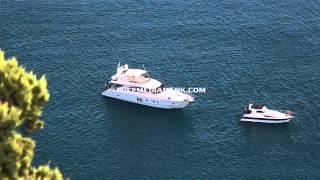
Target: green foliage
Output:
[(22, 98)]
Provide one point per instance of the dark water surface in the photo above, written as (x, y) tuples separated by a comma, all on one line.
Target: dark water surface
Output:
[(241, 51)]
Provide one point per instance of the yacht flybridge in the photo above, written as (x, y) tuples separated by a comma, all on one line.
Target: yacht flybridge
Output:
[(136, 86), (260, 113)]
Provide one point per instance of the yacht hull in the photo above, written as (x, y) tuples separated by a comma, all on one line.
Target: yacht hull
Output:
[(145, 101), (262, 120)]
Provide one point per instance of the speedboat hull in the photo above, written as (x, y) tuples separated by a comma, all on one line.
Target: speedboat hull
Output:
[(261, 114), (262, 120)]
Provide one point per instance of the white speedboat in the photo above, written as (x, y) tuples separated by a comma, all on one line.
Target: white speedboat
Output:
[(260, 113), (136, 86)]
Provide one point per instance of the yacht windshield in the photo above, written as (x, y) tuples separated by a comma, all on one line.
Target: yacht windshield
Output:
[(115, 86), (257, 106)]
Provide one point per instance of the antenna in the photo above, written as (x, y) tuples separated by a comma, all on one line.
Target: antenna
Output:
[(143, 67), (118, 68)]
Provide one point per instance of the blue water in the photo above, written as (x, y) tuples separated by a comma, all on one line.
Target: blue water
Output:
[(241, 51)]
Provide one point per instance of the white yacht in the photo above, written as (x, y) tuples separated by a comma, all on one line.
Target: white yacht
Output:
[(136, 86), (260, 113)]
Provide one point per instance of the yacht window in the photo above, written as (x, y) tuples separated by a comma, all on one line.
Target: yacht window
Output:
[(146, 75), (259, 111), (115, 86)]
